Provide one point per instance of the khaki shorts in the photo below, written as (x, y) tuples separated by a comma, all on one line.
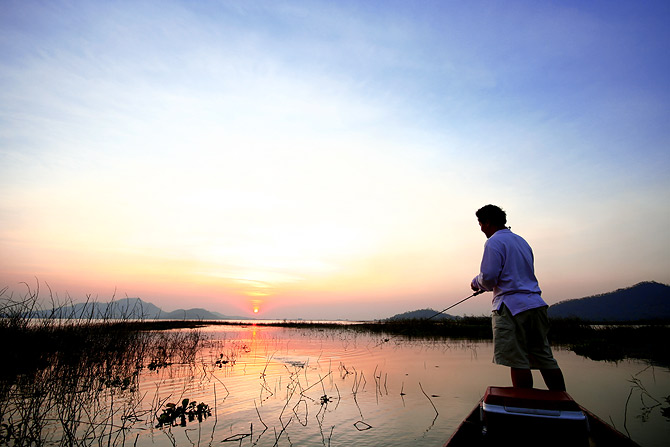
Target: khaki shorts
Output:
[(520, 341)]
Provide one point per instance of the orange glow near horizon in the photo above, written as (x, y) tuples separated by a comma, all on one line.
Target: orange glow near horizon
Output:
[(256, 306)]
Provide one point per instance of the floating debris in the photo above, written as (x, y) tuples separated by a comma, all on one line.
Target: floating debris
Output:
[(221, 361)]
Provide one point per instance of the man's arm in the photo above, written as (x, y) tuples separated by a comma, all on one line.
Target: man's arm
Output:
[(491, 267)]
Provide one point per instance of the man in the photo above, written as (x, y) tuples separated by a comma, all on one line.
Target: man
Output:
[(520, 322)]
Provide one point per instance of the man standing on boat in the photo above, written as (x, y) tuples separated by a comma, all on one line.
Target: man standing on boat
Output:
[(520, 322)]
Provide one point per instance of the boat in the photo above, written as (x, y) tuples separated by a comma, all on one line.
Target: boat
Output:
[(530, 416)]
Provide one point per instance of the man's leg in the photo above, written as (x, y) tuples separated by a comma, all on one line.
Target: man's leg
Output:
[(540, 349), (522, 378), (553, 378)]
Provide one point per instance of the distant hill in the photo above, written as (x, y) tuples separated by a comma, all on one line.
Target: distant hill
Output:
[(421, 314), (122, 308), (133, 308), (643, 301), (197, 314)]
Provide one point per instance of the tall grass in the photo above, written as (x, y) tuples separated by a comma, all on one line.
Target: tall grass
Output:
[(69, 380)]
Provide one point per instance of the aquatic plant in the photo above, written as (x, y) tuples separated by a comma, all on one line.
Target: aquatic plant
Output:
[(173, 414)]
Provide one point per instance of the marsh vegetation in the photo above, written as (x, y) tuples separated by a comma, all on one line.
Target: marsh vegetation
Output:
[(73, 381), (614, 341), (85, 381)]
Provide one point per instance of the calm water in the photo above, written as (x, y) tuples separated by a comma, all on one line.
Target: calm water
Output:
[(297, 387)]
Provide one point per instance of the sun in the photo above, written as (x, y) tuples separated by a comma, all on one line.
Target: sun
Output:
[(256, 305)]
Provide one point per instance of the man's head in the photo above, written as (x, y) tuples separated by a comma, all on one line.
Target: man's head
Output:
[(491, 219)]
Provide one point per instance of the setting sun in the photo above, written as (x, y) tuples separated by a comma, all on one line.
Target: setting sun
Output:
[(255, 310)]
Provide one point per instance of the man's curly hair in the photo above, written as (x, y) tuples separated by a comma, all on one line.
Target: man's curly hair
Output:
[(492, 214)]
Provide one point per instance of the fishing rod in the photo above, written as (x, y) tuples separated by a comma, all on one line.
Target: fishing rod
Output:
[(478, 292)]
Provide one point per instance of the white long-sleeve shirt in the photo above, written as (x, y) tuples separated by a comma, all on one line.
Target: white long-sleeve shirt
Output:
[(507, 270)]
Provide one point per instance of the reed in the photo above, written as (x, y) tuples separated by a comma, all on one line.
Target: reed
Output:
[(71, 379)]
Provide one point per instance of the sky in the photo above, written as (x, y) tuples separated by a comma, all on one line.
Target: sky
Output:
[(324, 160)]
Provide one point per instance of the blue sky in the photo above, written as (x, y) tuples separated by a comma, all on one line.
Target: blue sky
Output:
[(321, 159)]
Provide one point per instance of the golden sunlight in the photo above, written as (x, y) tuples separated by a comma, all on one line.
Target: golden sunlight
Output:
[(256, 305)]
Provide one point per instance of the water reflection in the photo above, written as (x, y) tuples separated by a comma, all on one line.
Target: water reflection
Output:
[(286, 386), (267, 386)]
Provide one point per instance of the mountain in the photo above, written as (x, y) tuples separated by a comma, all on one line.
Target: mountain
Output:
[(198, 314), (421, 314), (643, 301), (123, 308), (133, 308)]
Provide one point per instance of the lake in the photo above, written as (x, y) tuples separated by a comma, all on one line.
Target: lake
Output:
[(267, 386)]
